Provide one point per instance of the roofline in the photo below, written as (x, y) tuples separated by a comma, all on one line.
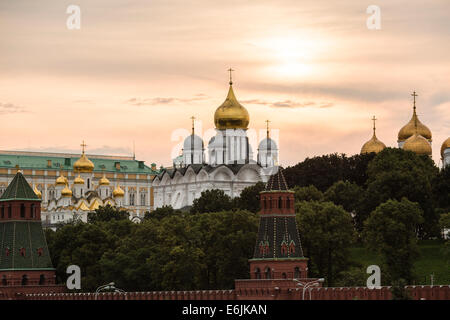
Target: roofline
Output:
[(21, 199), (27, 269), (64, 155)]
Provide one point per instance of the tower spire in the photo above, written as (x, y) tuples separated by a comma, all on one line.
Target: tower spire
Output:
[(267, 128)]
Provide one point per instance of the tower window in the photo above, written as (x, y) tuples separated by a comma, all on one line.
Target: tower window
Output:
[(22, 210), (32, 209), (257, 273), (267, 273), (4, 282), (280, 202), (41, 279), (9, 211), (24, 280), (288, 203), (2, 210)]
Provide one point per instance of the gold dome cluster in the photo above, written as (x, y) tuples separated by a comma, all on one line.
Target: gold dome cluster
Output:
[(373, 145), (61, 180), (231, 114), (409, 129), (38, 193), (445, 145), (104, 181), (66, 192), (78, 180), (83, 164), (418, 144), (118, 192)]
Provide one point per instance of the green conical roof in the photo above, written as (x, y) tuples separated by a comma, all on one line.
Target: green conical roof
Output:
[(19, 189)]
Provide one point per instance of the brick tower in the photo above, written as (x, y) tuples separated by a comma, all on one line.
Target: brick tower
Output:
[(278, 269), (278, 252), (25, 264)]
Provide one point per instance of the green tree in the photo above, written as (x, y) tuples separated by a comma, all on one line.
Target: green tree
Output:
[(391, 231), (444, 223), (160, 213), (249, 198), (308, 193), (327, 232), (441, 190), (214, 200), (107, 213), (395, 173)]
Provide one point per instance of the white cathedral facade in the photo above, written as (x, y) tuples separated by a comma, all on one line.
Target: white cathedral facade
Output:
[(230, 165)]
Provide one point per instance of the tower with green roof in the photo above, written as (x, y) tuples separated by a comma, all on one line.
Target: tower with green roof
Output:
[(25, 264)]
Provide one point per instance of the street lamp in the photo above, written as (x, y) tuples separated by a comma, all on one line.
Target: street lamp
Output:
[(308, 286), (109, 286)]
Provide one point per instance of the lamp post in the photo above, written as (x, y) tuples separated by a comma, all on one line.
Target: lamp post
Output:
[(308, 286), (109, 286)]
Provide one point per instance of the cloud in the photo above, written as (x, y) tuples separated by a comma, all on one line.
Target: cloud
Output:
[(289, 103), (7, 108), (164, 100)]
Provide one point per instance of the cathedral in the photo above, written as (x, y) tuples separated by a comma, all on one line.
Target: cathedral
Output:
[(72, 185), (414, 136), (230, 166)]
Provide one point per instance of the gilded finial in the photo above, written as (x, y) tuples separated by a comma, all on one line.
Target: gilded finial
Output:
[(83, 145), (374, 119), (414, 94), (231, 78), (193, 119)]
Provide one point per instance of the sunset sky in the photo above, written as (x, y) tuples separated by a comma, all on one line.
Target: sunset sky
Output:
[(138, 70)]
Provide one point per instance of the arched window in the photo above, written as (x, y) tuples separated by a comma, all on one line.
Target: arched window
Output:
[(296, 272), (2, 212), (24, 280), (89, 183), (32, 210), (280, 203), (41, 279), (288, 203), (284, 276), (22, 210), (270, 203), (9, 211), (143, 199), (257, 273), (267, 273), (4, 281)]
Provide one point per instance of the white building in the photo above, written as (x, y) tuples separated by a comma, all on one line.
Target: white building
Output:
[(231, 167)]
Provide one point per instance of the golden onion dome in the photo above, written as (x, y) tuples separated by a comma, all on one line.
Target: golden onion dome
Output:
[(118, 192), (61, 180), (445, 145), (78, 180), (104, 181), (38, 193), (66, 192), (83, 164), (418, 145), (409, 129), (373, 145), (231, 114)]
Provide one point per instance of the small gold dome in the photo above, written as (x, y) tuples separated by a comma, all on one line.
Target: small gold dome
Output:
[(409, 129), (418, 144), (61, 180), (444, 146), (66, 192), (118, 192), (373, 145), (104, 181), (38, 193), (78, 180), (231, 114)]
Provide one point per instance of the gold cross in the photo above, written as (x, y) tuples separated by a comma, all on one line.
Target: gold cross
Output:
[(83, 145), (374, 119), (414, 94), (193, 119), (267, 122), (230, 71)]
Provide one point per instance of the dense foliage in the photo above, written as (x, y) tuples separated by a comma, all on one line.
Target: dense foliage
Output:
[(385, 201)]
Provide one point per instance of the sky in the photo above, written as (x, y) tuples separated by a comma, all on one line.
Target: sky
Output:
[(137, 71)]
